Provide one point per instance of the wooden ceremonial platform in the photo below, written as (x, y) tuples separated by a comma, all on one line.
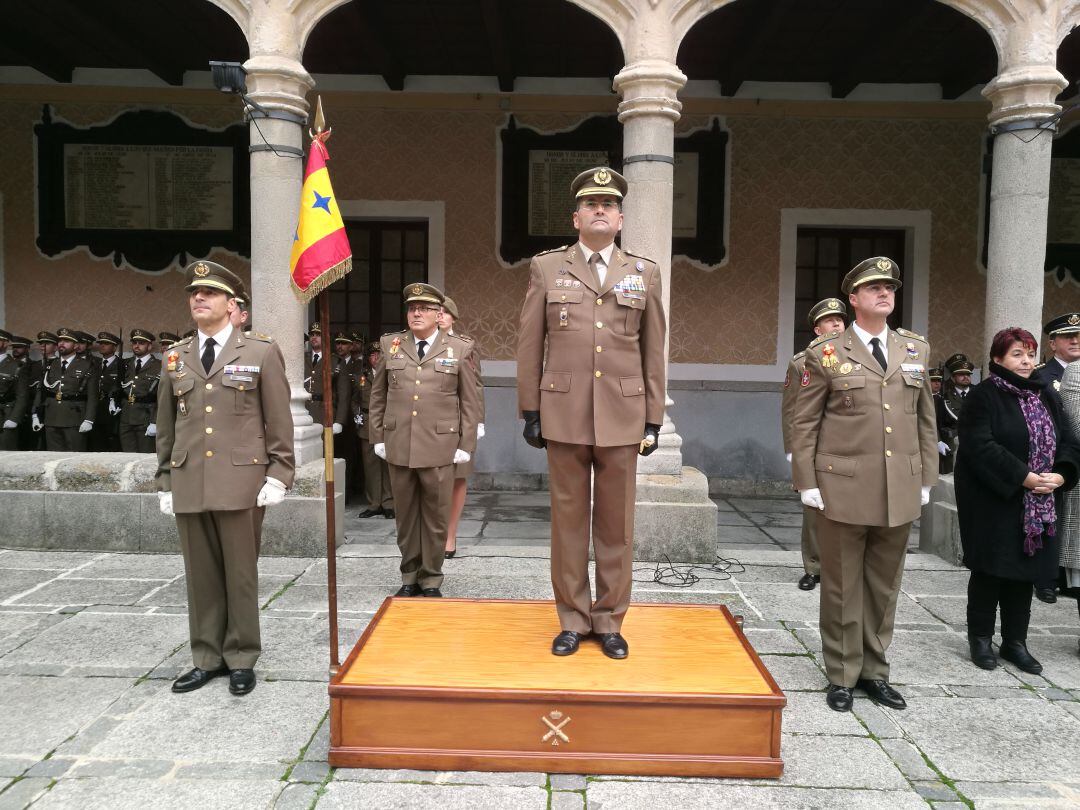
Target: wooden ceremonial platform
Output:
[(466, 684)]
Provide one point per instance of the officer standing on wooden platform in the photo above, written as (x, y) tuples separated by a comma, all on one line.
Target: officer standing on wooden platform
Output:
[(14, 394), (225, 451), (66, 402), (138, 395), (596, 402), (825, 318), (424, 410), (864, 455)]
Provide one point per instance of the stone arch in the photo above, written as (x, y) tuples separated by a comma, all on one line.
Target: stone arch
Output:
[(239, 11)]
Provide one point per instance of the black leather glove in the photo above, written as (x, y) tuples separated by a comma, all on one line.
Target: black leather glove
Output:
[(531, 432), (651, 440)]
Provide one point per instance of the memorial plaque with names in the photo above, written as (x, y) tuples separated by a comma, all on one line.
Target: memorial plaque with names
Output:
[(1063, 225), (550, 174)]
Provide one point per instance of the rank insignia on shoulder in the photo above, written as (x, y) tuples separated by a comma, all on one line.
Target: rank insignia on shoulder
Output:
[(553, 250), (907, 333)]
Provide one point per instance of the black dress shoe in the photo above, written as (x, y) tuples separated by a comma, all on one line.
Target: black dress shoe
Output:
[(409, 590), (614, 645), (432, 592), (882, 694), (1016, 652), (370, 513), (808, 582), (982, 652), (839, 698), (566, 643), (388, 514), (241, 681), (196, 679), (1048, 595), (450, 554)]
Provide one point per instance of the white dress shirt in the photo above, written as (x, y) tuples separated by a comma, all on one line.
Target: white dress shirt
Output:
[(219, 340)]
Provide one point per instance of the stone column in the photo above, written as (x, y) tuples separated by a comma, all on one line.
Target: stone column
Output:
[(1021, 121), (279, 84), (648, 112)]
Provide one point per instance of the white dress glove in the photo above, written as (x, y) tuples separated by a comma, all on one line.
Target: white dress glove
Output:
[(164, 500), (788, 457), (9, 425), (271, 494), (812, 498), (460, 456), (925, 496), (380, 450), (151, 430), (942, 448), (35, 423), (480, 431), (114, 409), (86, 426), (336, 428)]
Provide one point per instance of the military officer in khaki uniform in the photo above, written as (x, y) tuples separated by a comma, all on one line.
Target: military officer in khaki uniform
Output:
[(105, 437), (376, 471), (825, 318), (138, 395), (596, 402), (424, 410), (865, 455), (225, 451), (14, 393), (339, 385), (66, 401)]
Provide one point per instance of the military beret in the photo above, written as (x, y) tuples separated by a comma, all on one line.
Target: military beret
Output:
[(108, 337), (141, 334), (1066, 324), (420, 292), (599, 181), (5, 335), (167, 339), (450, 305), (342, 337), (876, 268), (935, 373), (63, 333), (212, 275), (18, 340), (823, 309), (959, 363), (46, 337)]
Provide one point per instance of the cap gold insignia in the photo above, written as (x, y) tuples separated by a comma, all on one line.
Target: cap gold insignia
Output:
[(833, 304), (884, 264), (417, 289), (1074, 319), (602, 177), (201, 270)]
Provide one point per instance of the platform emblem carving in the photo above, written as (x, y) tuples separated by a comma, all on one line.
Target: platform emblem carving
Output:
[(555, 721)]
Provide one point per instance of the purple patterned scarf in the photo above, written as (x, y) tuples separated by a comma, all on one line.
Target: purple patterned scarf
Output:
[(1039, 513)]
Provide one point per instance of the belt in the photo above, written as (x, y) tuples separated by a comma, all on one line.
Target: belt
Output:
[(73, 399)]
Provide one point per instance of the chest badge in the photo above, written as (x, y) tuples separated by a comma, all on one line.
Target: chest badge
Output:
[(828, 356), (394, 344), (845, 368), (911, 352)]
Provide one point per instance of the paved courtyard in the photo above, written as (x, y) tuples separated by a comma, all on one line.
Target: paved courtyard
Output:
[(89, 643)]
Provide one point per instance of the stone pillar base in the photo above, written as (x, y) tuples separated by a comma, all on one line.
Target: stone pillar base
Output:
[(675, 518), (939, 528)]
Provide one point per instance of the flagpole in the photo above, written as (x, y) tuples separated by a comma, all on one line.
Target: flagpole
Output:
[(328, 458)]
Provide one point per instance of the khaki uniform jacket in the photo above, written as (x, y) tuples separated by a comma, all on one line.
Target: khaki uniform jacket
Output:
[(14, 389), (69, 398), (219, 435), (791, 391), (424, 410), (361, 401), (339, 385), (138, 392), (866, 438), (605, 372)]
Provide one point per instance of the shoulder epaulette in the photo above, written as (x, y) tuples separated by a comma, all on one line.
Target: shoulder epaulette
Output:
[(906, 333), (181, 342), (799, 356), (821, 339), (393, 334), (553, 250), (1041, 365), (638, 255), (259, 336)]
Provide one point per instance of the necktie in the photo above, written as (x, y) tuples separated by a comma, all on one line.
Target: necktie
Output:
[(138, 365), (421, 349), (879, 355), (63, 366), (315, 359), (208, 355), (594, 263)]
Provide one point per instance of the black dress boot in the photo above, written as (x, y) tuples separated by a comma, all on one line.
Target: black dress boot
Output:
[(1016, 652), (982, 652)]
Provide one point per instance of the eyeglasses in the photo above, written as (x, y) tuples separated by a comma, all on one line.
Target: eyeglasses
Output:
[(422, 308), (595, 205)]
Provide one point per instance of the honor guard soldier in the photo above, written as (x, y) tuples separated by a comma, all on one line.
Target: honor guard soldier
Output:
[(66, 401), (1064, 333), (376, 471), (339, 384), (864, 455), (14, 393), (20, 349), (826, 317), (225, 452), (105, 437), (954, 389), (424, 409), (34, 438), (595, 403), (138, 395), (347, 445)]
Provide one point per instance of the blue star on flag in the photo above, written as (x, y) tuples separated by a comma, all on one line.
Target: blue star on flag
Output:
[(321, 201)]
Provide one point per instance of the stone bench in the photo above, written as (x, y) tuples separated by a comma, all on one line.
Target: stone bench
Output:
[(108, 502)]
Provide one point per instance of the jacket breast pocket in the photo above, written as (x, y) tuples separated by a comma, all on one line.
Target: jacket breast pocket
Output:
[(178, 458), (912, 389), (564, 310), (632, 306), (180, 387), (847, 395), (395, 367), (245, 388), (447, 377)]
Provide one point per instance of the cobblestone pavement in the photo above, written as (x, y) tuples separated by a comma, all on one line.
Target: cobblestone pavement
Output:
[(90, 641)]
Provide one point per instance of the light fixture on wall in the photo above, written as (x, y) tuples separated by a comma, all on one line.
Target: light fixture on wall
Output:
[(229, 77)]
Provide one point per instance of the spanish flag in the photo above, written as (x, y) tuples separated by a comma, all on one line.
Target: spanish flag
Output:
[(320, 250)]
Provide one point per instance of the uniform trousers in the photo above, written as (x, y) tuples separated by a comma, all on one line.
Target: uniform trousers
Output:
[(985, 593), (133, 439), (65, 440), (861, 568), (811, 559), (376, 478), (9, 437), (422, 496), (610, 515), (221, 564), (105, 436)]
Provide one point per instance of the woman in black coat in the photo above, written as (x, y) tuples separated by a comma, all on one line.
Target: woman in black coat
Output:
[(1015, 458)]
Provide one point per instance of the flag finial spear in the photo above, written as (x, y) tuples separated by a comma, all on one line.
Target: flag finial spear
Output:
[(319, 122)]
